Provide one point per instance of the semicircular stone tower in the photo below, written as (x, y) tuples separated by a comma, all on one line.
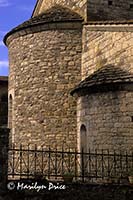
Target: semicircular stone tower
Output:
[(105, 110), (45, 64)]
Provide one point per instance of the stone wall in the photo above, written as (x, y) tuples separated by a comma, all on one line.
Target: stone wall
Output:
[(79, 6), (3, 101), (108, 118), (46, 66), (109, 10), (93, 10), (107, 44)]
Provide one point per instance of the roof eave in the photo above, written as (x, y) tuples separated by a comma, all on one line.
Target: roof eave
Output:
[(38, 23), (103, 87)]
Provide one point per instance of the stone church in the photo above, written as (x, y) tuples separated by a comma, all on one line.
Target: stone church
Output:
[(71, 75)]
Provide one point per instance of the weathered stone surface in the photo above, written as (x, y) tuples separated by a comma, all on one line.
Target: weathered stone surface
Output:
[(108, 46), (92, 10), (79, 6), (42, 73), (102, 10), (45, 65), (107, 117)]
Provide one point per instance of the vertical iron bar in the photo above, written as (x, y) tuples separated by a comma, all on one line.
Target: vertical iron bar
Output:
[(28, 162), (13, 161), (42, 160), (102, 165), (49, 156), (121, 172), (35, 158), (132, 160), (96, 155), (62, 161), (82, 156), (21, 160), (115, 165), (75, 164), (69, 168), (90, 164), (127, 167), (108, 164), (56, 164)]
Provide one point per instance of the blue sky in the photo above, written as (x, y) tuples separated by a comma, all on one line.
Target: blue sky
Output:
[(12, 13)]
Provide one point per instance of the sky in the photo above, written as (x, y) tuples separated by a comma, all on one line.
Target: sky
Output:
[(12, 13)]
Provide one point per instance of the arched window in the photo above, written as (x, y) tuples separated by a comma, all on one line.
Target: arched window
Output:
[(83, 149), (83, 138)]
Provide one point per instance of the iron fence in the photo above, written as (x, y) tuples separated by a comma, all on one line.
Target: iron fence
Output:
[(97, 165)]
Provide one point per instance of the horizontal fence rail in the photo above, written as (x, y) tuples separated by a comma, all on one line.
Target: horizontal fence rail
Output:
[(98, 165)]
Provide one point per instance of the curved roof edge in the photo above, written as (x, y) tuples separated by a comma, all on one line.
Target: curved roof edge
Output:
[(53, 15), (105, 76)]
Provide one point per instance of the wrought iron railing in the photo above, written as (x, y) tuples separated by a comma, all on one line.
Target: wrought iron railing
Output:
[(91, 166)]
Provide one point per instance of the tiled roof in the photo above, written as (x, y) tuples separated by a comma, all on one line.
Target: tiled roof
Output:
[(54, 14), (105, 75)]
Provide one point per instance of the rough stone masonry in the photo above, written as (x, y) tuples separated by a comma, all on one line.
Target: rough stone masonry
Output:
[(63, 43)]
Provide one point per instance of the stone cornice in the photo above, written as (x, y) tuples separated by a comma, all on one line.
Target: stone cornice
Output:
[(110, 26), (108, 22)]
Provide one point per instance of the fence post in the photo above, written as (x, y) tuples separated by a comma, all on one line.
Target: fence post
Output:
[(96, 164), (28, 164), (21, 164), (75, 164), (42, 160), (56, 163), (49, 156), (62, 162), (82, 164), (13, 159), (35, 159), (4, 143)]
